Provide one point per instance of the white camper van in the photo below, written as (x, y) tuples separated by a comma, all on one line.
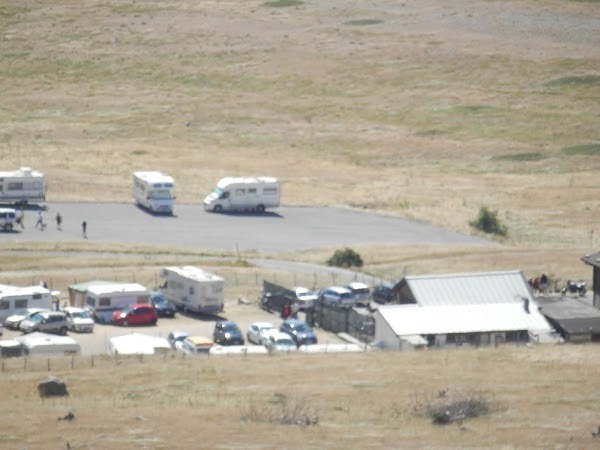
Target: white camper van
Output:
[(16, 300), (103, 300), (22, 186), (152, 190), (244, 194), (193, 289)]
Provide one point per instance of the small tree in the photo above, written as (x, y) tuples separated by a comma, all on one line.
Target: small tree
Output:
[(345, 258), (488, 222)]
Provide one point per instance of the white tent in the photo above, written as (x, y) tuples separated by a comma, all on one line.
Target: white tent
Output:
[(136, 344)]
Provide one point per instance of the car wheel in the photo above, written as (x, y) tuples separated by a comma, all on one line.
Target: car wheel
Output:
[(8, 227), (153, 322), (63, 331), (260, 209), (125, 323)]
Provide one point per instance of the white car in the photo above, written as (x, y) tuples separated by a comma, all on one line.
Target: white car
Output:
[(13, 322), (305, 298), (79, 319), (258, 332), (281, 342)]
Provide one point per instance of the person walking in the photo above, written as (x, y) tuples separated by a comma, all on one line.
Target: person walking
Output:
[(40, 221), (84, 229), (21, 218), (58, 221)]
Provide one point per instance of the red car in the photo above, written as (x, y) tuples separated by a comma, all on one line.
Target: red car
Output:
[(135, 315)]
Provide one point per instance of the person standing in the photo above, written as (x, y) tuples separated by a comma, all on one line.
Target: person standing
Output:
[(58, 221), (84, 229), (40, 221)]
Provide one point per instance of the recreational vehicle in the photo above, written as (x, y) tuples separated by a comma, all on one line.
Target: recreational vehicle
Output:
[(152, 190), (22, 186), (43, 344), (103, 300), (16, 300), (244, 194), (193, 289)]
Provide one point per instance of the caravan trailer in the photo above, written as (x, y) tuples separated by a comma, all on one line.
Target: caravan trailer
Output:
[(193, 289), (244, 194), (152, 190), (17, 300), (102, 300), (22, 186)]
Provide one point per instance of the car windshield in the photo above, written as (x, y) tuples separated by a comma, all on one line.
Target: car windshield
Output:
[(230, 328), (80, 315), (126, 310), (36, 318), (160, 301), (160, 195), (266, 328), (301, 327), (285, 342)]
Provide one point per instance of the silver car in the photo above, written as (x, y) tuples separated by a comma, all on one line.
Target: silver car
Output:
[(79, 319), (46, 322), (13, 322)]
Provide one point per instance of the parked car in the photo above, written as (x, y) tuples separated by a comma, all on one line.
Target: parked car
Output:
[(176, 338), (383, 293), (227, 333), (194, 345), (281, 342), (8, 218), (46, 322), (79, 319), (337, 296), (140, 314), (13, 322), (300, 332), (361, 292), (305, 298), (162, 306), (258, 332)]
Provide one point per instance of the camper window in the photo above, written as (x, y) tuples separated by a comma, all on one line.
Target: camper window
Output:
[(15, 186), (270, 191), (36, 296), (104, 301), (191, 290), (4, 304), (240, 192), (142, 299), (90, 301), (251, 191), (21, 303)]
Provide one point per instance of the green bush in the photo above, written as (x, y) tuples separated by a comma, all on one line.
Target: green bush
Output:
[(345, 258), (488, 222)]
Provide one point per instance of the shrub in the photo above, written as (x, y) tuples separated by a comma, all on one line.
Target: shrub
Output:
[(345, 258), (281, 409), (488, 222), (451, 405)]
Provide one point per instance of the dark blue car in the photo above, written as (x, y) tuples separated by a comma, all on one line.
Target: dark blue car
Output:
[(162, 306), (227, 333), (300, 332)]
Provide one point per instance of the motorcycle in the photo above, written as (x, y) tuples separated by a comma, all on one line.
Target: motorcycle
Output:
[(575, 287)]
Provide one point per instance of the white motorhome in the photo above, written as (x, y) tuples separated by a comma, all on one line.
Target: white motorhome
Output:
[(22, 186), (152, 190), (193, 289), (43, 344), (16, 300), (244, 194), (103, 300)]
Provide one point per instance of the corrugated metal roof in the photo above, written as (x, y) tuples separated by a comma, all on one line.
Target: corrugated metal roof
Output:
[(469, 288), (408, 320)]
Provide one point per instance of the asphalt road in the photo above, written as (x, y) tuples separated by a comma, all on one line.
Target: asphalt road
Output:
[(282, 230)]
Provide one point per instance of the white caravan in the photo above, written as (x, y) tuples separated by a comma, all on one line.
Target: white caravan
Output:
[(244, 194), (103, 300), (16, 300), (43, 344), (152, 190), (193, 289), (22, 186)]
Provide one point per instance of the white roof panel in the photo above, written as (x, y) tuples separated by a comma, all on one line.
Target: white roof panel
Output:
[(406, 320), (469, 288)]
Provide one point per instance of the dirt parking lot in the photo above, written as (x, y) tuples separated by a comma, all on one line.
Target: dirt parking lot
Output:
[(97, 342)]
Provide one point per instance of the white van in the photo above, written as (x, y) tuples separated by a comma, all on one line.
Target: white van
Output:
[(152, 190), (244, 194), (193, 289), (8, 219)]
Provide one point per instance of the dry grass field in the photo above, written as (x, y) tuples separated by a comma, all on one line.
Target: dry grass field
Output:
[(423, 109), (538, 397)]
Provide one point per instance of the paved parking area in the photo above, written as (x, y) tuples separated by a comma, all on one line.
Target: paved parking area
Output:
[(97, 343)]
